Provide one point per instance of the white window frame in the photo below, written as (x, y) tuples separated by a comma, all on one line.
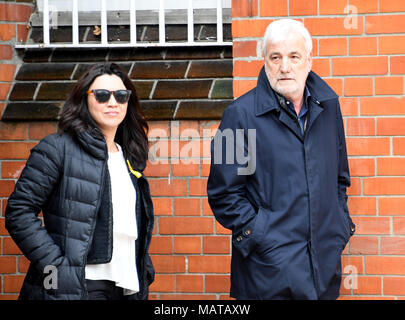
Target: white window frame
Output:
[(133, 12)]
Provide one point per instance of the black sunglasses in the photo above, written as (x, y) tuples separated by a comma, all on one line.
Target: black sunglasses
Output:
[(103, 95)]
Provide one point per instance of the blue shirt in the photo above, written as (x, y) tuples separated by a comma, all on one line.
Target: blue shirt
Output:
[(302, 117)]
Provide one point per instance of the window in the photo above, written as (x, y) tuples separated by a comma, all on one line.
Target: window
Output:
[(129, 16)]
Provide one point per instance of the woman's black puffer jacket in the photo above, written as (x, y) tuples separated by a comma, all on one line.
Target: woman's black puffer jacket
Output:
[(67, 178)]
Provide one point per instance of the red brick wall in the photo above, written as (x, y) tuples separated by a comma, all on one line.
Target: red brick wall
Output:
[(190, 250), (366, 66)]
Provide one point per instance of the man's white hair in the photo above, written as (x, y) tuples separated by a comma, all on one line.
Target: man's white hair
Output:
[(280, 29)]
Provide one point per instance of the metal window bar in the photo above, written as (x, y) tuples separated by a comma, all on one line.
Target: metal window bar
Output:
[(132, 19)]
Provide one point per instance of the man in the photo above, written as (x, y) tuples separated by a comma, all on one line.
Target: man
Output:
[(279, 181)]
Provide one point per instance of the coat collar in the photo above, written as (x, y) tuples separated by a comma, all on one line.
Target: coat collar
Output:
[(92, 140), (266, 100)]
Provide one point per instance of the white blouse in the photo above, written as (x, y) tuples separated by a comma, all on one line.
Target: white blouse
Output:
[(122, 267)]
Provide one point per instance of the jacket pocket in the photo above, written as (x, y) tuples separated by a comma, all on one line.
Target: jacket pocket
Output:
[(246, 239)]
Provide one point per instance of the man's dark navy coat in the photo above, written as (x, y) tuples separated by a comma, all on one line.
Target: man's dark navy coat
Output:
[(289, 217)]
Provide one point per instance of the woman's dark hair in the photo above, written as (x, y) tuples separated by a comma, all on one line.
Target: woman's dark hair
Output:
[(131, 134)]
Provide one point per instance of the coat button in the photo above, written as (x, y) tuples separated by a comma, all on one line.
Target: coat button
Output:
[(239, 238), (247, 232)]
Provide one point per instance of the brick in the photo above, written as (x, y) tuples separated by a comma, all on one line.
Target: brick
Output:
[(169, 89), (321, 67), (45, 71), (23, 91), (332, 7), (359, 66), (368, 146), (201, 110), (335, 84), (243, 8), (187, 206), (391, 206), (217, 283), (187, 245), (389, 85), (364, 6), (206, 209), (158, 110), (163, 283), (7, 72), (7, 32), (364, 245), (198, 187), (13, 131), (385, 24), (368, 285), (216, 244), (381, 106), (362, 46), (303, 8), (31, 111), (398, 146), (22, 32), (249, 28), (163, 187), (244, 49), (157, 169), (332, 46), (6, 187), (9, 247), (399, 225), (390, 126), (391, 6), (54, 91), (15, 12), (186, 225), (169, 264), (161, 245), (372, 225), (394, 285), (4, 89), (222, 89), (209, 264), (390, 166), (38, 130), (393, 245), (210, 69), (12, 283), (385, 265), (384, 186), (241, 87), (247, 68), (362, 167), (332, 26), (358, 86), (362, 205), (220, 230), (23, 264), (273, 8), (189, 283), (162, 206), (12, 170), (397, 65), (391, 45), (184, 170), (355, 187), (8, 264), (349, 106), (6, 52), (360, 127), (159, 69)]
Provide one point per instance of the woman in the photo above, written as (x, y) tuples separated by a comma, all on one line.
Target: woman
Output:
[(96, 205)]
